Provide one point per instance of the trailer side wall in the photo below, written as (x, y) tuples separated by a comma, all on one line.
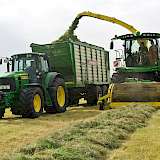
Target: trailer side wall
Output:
[(80, 63)]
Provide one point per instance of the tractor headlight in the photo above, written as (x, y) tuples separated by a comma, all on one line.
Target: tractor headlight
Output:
[(5, 87)]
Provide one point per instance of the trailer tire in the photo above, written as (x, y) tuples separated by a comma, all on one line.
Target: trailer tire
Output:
[(59, 96), (32, 101), (2, 111), (104, 90), (102, 106), (93, 94)]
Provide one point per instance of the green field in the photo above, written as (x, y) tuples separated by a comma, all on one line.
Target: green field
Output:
[(89, 139), (144, 144)]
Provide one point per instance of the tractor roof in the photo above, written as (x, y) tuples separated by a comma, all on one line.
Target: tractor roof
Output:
[(32, 53), (143, 35)]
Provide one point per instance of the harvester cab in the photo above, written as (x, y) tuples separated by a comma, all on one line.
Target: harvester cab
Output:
[(138, 80), (141, 57), (31, 86)]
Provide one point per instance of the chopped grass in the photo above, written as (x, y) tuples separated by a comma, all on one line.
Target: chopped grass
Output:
[(143, 144), (90, 140)]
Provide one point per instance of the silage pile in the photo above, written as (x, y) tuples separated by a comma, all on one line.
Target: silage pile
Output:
[(90, 140)]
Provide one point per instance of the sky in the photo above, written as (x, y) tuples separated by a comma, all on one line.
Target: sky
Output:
[(23, 22)]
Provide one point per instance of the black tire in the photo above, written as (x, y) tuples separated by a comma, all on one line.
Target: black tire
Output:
[(104, 90), (26, 101), (102, 106), (93, 94), (74, 102), (56, 107), (2, 111)]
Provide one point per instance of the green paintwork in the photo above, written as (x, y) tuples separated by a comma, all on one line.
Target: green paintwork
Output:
[(138, 69), (63, 62), (57, 56), (21, 80), (10, 97), (62, 57)]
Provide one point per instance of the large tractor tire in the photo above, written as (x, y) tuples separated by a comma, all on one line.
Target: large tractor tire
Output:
[(93, 94), (2, 111), (59, 96), (32, 101)]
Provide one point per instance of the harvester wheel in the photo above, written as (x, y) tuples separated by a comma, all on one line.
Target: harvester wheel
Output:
[(2, 111), (59, 96), (31, 100), (93, 94)]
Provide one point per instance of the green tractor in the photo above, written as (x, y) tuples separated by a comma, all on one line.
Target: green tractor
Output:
[(32, 86), (137, 80)]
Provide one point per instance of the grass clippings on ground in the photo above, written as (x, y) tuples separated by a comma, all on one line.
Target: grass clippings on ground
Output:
[(90, 140)]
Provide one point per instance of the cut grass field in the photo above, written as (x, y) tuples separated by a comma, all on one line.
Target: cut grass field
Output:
[(144, 144), (16, 132), (89, 139)]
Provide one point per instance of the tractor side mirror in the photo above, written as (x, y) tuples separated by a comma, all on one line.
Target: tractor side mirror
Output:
[(1, 61), (111, 45)]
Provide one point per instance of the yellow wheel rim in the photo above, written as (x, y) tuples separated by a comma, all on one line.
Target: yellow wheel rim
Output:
[(37, 103), (61, 96)]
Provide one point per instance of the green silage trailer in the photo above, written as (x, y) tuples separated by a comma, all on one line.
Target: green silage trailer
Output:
[(85, 68)]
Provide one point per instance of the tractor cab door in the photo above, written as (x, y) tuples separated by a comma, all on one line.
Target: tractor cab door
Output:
[(43, 68)]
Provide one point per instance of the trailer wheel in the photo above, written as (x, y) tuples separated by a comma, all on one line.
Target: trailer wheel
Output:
[(59, 96), (102, 106), (2, 111), (104, 90), (31, 100), (93, 94)]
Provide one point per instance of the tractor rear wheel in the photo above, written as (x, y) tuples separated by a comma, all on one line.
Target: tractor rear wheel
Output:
[(31, 100), (59, 96)]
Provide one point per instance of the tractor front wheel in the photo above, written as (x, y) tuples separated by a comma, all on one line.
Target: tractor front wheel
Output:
[(31, 100)]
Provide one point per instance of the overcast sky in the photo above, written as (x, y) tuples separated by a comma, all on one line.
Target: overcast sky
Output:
[(43, 21)]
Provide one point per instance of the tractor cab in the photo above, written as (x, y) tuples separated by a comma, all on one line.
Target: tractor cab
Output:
[(32, 63), (141, 55)]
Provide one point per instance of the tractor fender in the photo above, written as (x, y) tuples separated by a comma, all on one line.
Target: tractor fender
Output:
[(34, 85), (51, 76)]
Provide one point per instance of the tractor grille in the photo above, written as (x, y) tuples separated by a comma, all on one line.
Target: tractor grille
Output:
[(7, 82)]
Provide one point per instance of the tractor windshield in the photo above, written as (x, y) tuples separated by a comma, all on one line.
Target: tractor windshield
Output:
[(141, 52), (22, 62)]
